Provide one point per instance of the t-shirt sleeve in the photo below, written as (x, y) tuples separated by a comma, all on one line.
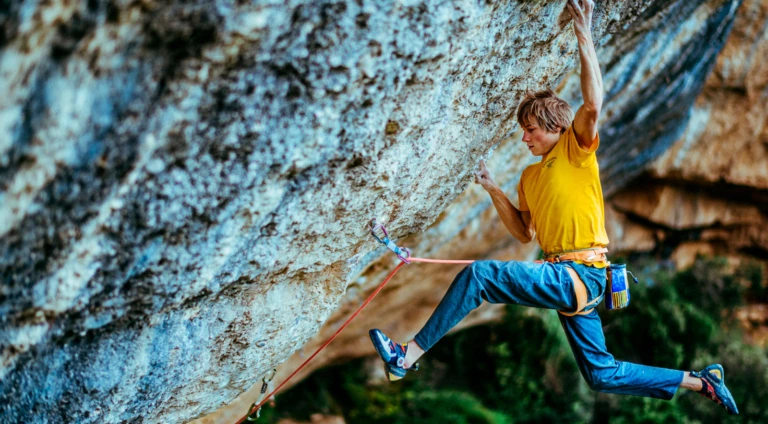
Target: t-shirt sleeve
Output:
[(578, 156), (521, 197)]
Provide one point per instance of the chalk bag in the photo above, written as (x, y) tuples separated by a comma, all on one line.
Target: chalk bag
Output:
[(617, 287)]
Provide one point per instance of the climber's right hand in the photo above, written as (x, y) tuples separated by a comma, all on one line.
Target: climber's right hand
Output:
[(483, 177)]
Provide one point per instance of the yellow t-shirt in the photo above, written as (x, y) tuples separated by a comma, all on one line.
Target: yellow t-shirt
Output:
[(565, 197)]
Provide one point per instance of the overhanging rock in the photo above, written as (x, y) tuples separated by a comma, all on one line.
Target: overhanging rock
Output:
[(185, 187)]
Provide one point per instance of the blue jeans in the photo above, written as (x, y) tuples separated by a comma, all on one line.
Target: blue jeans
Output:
[(550, 286)]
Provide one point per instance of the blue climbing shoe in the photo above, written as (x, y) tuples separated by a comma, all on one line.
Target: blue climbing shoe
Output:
[(393, 355), (713, 387)]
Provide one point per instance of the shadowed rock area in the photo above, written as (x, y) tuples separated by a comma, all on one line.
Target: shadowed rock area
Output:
[(185, 187)]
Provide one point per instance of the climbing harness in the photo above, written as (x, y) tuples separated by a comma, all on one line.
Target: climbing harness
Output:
[(380, 234), (616, 287), (590, 255)]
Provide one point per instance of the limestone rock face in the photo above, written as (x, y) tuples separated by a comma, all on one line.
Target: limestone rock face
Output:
[(726, 141), (185, 187)]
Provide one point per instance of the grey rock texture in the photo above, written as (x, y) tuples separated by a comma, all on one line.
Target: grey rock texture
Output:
[(708, 193), (185, 187)]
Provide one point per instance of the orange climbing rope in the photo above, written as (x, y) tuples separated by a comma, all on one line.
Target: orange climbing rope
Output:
[(401, 253)]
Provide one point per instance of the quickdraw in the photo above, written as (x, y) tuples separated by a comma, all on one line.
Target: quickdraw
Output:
[(255, 406), (380, 233)]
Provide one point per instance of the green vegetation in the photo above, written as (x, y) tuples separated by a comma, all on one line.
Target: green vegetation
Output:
[(521, 370)]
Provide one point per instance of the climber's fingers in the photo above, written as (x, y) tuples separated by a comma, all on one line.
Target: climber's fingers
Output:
[(482, 175), (581, 6), (581, 12), (571, 9), (574, 8)]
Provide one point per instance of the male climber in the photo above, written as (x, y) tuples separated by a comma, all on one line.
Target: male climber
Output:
[(561, 202)]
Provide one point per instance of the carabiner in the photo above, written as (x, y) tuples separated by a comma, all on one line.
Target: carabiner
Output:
[(407, 256), (250, 416), (382, 235), (265, 381)]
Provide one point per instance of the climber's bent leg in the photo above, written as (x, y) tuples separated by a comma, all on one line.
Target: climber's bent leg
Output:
[(605, 374), (525, 283)]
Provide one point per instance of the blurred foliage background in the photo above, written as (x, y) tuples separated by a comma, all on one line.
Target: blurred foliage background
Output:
[(521, 370)]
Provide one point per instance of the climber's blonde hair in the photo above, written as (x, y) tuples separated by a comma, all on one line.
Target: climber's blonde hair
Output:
[(544, 109)]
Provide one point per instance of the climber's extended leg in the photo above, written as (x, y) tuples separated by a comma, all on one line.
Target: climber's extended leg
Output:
[(605, 374), (526, 283)]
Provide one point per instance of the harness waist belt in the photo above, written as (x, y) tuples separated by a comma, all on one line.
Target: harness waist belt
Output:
[(596, 254)]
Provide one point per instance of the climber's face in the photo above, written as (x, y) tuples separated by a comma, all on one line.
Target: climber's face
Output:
[(539, 140)]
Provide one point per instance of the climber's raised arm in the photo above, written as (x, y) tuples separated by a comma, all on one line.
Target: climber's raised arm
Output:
[(585, 121), (518, 223)]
